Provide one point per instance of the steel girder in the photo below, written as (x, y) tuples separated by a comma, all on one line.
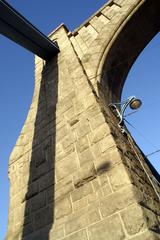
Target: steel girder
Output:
[(15, 27)]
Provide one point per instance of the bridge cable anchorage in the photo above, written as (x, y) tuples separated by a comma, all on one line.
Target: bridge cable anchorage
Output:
[(18, 29)]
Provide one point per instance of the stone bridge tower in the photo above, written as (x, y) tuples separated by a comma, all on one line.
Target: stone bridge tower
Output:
[(73, 174)]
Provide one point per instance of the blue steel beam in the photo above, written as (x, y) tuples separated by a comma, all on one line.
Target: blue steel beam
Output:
[(15, 27)]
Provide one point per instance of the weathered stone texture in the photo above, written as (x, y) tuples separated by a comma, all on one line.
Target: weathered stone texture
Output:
[(73, 174), (106, 229), (80, 235)]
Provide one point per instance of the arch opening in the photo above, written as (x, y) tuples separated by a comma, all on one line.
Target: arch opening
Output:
[(133, 38), (143, 81)]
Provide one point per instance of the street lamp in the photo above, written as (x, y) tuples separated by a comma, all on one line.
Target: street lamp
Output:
[(119, 109)]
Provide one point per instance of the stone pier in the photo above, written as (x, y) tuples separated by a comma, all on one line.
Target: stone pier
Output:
[(73, 174)]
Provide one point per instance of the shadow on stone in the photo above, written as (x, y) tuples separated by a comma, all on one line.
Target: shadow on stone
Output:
[(104, 167), (39, 199)]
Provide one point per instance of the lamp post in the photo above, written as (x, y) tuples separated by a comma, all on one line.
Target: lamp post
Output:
[(119, 109)]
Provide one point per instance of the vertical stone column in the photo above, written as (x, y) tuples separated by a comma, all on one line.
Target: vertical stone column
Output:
[(31, 165)]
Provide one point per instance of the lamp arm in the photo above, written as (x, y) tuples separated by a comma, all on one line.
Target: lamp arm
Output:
[(120, 112), (124, 106)]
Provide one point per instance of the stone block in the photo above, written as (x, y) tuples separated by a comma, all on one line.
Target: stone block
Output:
[(61, 133), (83, 128), (28, 229), (25, 166), (38, 201), (96, 184), (82, 144), (84, 175), (65, 104), (102, 164), (107, 160), (18, 216), (147, 235), (46, 181), (16, 153), (92, 111), (99, 133), (111, 12), (82, 218), (99, 22), (114, 156), (76, 47), (107, 142), (41, 234), (124, 3), (93, 214), (89, 100), (66, 166), (118, 177), (93, 198), (77, 222), (108, 229), (80, 235), (68, 140), (79, 107), (96, 151), (19, 199), (69, 114), (85, 157), (50, 195), (28, 219), (97, 121), (106, 190), (117, 201), (64, 187), (43, 217), (56, 232), (60, 154), (23, 138), (62, 207), (80, 204), (133, 219), (102, 186), (37, 172), (103, 179), (81, 192), (152, 219)]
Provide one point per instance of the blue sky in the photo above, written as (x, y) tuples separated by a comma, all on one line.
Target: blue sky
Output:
[(17, 82)]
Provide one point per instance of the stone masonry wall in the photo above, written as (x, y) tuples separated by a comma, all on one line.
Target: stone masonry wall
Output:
[(73, 174)]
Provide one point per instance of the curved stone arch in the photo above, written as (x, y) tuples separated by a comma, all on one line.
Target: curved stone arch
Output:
[(106, 48), (105, 60), (120, 54), (94, 58), (115, 61)]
